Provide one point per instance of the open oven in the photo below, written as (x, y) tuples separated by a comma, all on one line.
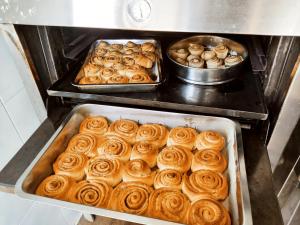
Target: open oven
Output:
[(260, 99)]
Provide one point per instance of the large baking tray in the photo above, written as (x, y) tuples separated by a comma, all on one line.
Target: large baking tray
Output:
[(115, 88), (238, 201)]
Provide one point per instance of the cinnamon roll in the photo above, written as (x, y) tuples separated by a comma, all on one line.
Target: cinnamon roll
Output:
[(182, 136), (91, 80), (145, 151), (83, 143), (108, 170), (115, 47), (125, 129), (116, 54), (100, 52), (143, 61), (107, 73), (208, 211), (209, 160), (102, 44), (190, 57), (154, 133), (195, 62), (233, 60), (205, 184), (128, 61), (175, 157), (90, 192), (138, 170), (214, 63), (131, 197), (118, 79), (130, 44), (118, 66), (140, 78), (97, 60), (168, 178), (148, 47), (221, 51), (71, 165), (114, 147), (110, 61), (91, 70), (129, 71), (181, 61), (195, 49), (210, 140), (150, 55), (180, 53), (168, 204), (207, 55), (55, 186), (96, 125)]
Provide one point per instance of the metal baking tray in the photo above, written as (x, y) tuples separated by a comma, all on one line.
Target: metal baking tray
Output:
[(117, 88), (205, 76), (238, 201)]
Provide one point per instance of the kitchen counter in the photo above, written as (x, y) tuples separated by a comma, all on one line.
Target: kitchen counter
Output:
[(265, 208)]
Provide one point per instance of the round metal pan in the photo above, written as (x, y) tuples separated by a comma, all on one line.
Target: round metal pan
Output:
[(204, 76)]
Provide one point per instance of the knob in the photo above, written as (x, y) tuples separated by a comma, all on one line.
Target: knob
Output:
[(139, 10)]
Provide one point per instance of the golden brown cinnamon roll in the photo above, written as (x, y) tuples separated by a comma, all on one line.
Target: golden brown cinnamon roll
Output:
[(125, 129), (130, 44), (71, 165), (168, 178), (140, 78), (175, 157), (100, 52), (115, 47), (138, 170), (210, 140), (91, 80), (209, 160), (55, 186), (207, 55), (214, 63), (190, 57), (97, 60), (197, 63), (96, 125), (180, 53), (131, 197), (102, 44), (181, 61), (148, 47), (182, 136), (114, 53), (143, 61), (208, 211), (110, 61), (154, 133), (118, 66), (205, 184), (90, 192), (128, 61), (108, 170), (233, 60), (91, 70), (114, 147), (83, 143), (168, 204), (145, 151), (195, 49), (150, 55), (107, 73), (221, 51), (118, 79)]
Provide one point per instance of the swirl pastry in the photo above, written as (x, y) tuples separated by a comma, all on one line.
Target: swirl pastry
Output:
[(180, 53), (129, 71), (140, 78), (107, 73), (91, 80), (154, 133), (118, 79), (130, 44), (138, 170), (118, 66), (115, 47), (131, 197), (143, 61), (208, 211), (71, 165), (90, 192), (233, 60), (168, 204), (110, 61), (150, 55), (114, 147), (210, 140), (125, 129), (83, 143), (97, 60), (205, 184), (145, 151), (128, 61), (168, 178), (175, 157), (100, 52), (108, 170), (181, 61), (55, 186), (116, 54), (221, 51), (148, 47), (209, 160), (214, 63), (207, 55), (182, 136), (96, 125), (91, 70), (195, 62), (102, 44), (190, 57), (195, 49)]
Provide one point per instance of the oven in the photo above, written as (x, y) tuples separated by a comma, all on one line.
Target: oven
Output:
[(54, 39)]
